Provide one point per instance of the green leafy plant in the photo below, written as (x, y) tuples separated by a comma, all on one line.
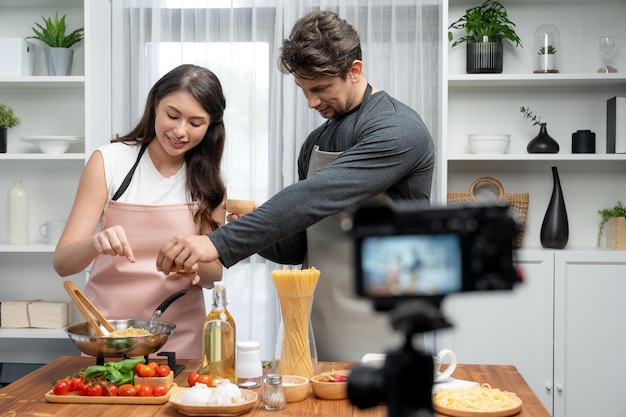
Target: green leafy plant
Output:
[(551, 50), (8, 119), (531, 116), (618, 210), (54, 32), (489, 20)]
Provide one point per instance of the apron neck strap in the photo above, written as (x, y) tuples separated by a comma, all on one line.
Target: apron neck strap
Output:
[(129, 176)]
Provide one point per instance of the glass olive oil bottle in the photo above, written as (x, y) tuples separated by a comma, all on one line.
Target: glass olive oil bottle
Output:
[(218, 339)]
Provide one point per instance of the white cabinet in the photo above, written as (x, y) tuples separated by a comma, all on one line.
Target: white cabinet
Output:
[(49, 105)]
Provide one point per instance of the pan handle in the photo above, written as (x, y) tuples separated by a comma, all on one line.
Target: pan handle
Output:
[(165, 304)]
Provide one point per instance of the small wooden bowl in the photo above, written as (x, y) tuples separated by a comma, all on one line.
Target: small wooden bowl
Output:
[(330, 390), (296, 388), (239, 206)]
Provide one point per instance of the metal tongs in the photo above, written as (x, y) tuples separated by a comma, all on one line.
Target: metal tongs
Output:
[(93, 316)]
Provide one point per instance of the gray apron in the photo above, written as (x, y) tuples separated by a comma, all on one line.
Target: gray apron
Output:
[(345, 326)]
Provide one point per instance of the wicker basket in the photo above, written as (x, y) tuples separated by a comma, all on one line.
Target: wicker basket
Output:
[(518, 203)]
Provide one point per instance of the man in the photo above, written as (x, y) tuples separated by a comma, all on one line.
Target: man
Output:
[(370, 145)]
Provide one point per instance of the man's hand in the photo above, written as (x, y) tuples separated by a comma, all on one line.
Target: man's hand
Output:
[(183, 252)]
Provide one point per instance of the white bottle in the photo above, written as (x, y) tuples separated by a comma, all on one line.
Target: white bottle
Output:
[(248, 367), (17, 214)]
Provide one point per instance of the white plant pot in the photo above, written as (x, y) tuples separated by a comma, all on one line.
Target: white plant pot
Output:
[(59, 60)]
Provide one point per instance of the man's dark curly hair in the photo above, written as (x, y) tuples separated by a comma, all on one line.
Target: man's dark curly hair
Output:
[(320, 43)]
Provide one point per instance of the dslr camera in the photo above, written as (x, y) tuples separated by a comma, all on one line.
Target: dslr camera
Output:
[(407, 259)]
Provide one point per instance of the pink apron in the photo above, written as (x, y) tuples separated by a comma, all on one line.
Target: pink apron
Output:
[(124, 290)]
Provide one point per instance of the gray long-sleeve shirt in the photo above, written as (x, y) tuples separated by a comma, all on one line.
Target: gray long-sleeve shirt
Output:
[(386, 148)]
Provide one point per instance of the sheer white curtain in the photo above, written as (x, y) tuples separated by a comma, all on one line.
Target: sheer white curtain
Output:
[(267, 117)]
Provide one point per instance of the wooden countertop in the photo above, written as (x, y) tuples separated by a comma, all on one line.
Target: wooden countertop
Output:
[(25, 397)]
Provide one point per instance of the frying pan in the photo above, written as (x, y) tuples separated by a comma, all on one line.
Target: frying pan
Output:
[(91, 343)]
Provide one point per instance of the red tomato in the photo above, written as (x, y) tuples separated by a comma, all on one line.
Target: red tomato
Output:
[(153, 365), (204, 379), (61, 387), (163, 370), (145, 390), (75, 382), (146, 371), (191, 379), (126, 390), (95, 390), (159, 390), (83, 387), (110, 390), (140, 364)]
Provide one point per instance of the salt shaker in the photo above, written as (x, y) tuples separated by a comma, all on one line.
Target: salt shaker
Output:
[(248, 367), (273, 394)]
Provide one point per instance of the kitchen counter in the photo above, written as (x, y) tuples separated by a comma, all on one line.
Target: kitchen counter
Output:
[(26, 396)]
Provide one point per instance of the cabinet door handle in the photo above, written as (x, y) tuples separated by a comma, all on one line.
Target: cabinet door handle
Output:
[(559, 388), (548, 387)]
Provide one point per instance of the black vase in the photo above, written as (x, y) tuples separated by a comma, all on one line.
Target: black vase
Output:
[(543, 143), (555, 227), (3, 139)]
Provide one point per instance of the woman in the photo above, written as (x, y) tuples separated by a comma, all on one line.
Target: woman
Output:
[(141, 189)]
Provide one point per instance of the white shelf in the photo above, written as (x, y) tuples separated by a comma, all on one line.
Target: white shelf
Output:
[(535, 80), (590, 157), (43, 81), (33, 334), (31, 248), (42, 156)]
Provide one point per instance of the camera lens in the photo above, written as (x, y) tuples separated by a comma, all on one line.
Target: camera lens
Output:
[(366, 387)]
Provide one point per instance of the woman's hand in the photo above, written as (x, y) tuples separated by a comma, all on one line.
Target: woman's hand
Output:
[(113, 241)]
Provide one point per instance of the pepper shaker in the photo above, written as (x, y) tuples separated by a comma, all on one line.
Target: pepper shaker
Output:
[(273, 394)]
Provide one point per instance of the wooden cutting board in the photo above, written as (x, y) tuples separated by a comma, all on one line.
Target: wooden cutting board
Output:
[(74, 397)]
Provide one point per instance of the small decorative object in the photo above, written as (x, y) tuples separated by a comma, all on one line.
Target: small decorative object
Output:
[(517, 202), (17, 214), (607, 45), (248, 367), (616, 125), (485, 26), (583, 141), (613, 221), (58, 52), (546, 45), (543, 142), (8, 120), (555, 226)]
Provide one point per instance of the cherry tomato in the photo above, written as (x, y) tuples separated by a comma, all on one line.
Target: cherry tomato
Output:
[(204, 379), (83, 387), (61, 387), (110, 390), (139, 365), (153, 365), (163, 370), (75, 382), (191, 379), (159, 390), (145, 390), (146, 371), (126, 390), (95, 390)]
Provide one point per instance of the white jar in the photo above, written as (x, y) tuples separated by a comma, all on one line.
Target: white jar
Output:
[(248, 367), (17, 214)]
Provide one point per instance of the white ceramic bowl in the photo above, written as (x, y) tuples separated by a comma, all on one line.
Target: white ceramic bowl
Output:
[(489, 143), (52, 144)]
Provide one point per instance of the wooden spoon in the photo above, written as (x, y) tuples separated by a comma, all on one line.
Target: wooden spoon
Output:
[(88, 310)]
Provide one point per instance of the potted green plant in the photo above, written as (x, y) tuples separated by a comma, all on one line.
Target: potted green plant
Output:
[(485, 27), (543, 142), (59, 54), (612, 214), (546, 59), (8, 120)]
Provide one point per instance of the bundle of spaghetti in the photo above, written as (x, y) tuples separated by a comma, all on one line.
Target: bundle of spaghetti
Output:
[(476, 398), (295, 288)]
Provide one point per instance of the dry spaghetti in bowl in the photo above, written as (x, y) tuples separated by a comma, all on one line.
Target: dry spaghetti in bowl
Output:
[(476, 400)]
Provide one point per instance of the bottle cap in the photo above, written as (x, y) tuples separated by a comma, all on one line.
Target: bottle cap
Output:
[(274, 379)]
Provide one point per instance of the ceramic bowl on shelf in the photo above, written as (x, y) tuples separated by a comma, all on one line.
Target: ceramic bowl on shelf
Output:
[(488, 143), (52, 144)]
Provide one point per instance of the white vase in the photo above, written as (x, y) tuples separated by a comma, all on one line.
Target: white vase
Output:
[(17, 214)]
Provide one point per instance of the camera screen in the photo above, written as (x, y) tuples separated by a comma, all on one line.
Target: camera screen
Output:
[(411, 265)]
